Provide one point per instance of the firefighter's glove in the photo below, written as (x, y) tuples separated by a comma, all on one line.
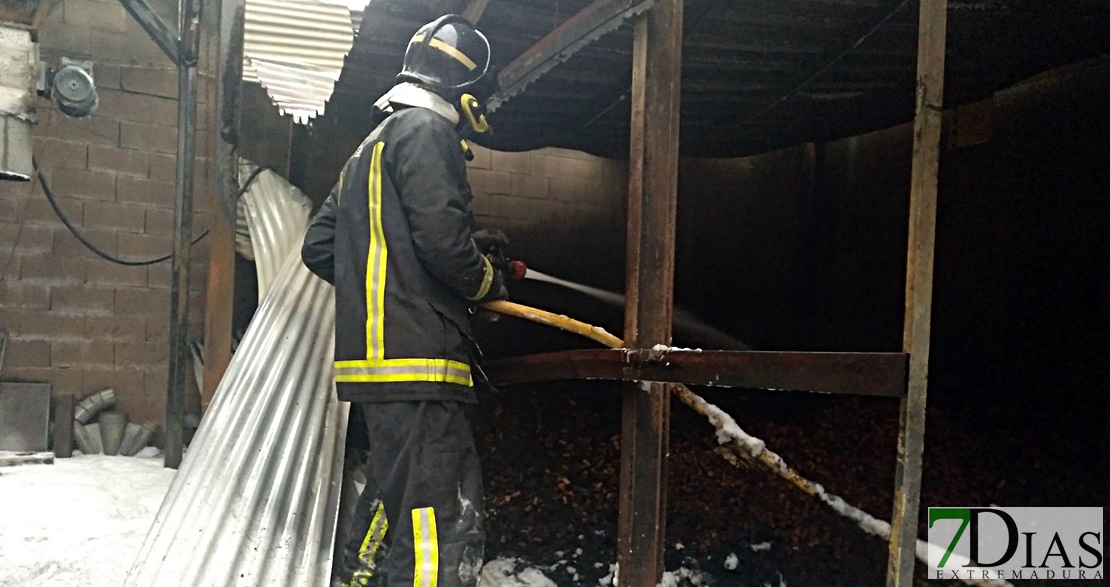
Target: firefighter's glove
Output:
[(489, 240), (497, 290)]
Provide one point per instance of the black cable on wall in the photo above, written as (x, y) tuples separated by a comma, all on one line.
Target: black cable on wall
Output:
[(108, 256)]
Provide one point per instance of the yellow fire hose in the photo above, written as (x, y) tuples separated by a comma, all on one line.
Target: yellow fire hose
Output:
[(688, 397), (741, 444)]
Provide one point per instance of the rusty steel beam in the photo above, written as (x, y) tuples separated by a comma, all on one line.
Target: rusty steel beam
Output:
[(649, 301), (933, 23), (876, 374), (585, 27)]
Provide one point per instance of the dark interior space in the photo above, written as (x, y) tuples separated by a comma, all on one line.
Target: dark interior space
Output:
[(793, 238), (805, 249)]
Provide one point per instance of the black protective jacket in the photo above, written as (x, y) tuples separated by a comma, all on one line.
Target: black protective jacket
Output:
[(394, 238)]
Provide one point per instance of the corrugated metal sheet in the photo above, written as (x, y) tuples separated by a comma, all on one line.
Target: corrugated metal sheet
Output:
[(295, 49), (273, 210), (255, 501)]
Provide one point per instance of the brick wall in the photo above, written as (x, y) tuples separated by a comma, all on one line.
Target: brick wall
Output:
[(563, 210), (75, 320)]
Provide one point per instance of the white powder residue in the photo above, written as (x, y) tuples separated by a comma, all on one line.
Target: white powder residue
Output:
[(676, 578), (782, 582), (761, 546), (613, 577), (511, 572), (729, 431), (732, 561), (662, 348), (80, 521)]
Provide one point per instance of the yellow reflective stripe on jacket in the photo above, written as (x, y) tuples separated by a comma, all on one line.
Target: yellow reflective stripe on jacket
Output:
[(375, 262), (487, 280), (426, 546), (396, 370)]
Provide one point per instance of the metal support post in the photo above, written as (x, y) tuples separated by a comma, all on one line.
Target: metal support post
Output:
[(652, 196), (159, 32), (919, 287), (187, 26)]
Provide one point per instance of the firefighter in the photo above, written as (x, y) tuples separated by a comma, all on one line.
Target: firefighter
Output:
[(396, 238)]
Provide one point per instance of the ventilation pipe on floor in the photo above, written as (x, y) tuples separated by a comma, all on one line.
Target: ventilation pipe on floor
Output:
[(93, 404)]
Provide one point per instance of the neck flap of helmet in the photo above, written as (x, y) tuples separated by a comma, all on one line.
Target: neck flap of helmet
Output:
[(411, 95)]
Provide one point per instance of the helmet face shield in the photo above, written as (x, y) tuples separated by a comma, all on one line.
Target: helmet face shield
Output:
[(450, 57)]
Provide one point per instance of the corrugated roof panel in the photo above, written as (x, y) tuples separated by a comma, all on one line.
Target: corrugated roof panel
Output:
[(295, 50), (256, 500)]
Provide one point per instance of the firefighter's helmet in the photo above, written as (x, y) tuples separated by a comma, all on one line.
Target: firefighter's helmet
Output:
[(450, 57)]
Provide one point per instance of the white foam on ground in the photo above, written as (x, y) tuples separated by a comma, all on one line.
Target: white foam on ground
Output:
[(79, 521)]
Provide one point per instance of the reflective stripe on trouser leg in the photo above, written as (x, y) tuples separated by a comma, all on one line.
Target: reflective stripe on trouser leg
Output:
[(426, 547), (369, 548)]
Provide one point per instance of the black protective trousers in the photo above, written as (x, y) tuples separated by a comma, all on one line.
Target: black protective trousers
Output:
[(425, 469)]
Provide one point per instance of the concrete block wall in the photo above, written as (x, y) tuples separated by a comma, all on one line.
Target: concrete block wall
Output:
[(75, 320), (563, 210)]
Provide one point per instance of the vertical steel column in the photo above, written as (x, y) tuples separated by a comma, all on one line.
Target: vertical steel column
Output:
[(220, 297), (652, 196), (919, 287), (187, 25)]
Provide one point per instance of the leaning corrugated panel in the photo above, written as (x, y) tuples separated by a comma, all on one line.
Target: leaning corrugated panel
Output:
[(276, 214), (256, 498)]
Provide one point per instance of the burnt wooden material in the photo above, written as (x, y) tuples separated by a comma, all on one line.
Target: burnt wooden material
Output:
[(652, 196), (63, 426), (220, 297), (919, 288), (188, 45), (876, 374)]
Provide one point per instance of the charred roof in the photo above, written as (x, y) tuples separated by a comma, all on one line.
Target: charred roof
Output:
[(757, 74)]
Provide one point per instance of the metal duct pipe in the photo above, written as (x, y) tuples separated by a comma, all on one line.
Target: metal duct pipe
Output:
[(91, 405), (96, 444), (133, 443), (81, 435), (112, 427)]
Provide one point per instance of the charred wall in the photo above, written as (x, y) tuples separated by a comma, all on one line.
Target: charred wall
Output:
[(805, 248)]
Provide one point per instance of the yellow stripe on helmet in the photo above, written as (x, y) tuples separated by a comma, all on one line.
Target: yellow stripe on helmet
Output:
[(448, 49)]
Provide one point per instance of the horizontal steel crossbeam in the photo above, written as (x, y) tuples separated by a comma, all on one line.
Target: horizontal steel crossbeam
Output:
[(878, 374)]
